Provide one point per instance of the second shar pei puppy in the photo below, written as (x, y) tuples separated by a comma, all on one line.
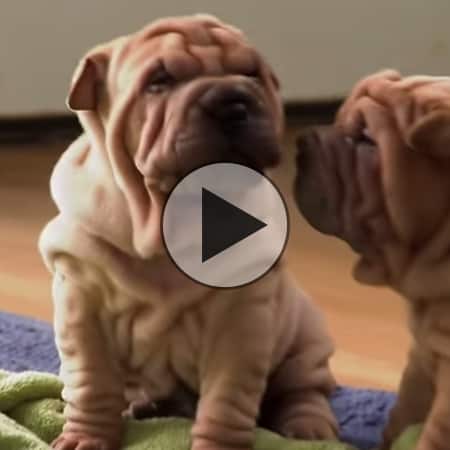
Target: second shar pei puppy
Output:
[(129, 326), (380, 179)]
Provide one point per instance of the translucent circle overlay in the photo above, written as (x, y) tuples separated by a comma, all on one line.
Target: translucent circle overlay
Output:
[(246, 260)]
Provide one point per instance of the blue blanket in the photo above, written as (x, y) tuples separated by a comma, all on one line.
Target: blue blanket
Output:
[(28, 344)]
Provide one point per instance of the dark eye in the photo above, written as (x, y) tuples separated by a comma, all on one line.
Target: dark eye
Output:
[(160, 81)]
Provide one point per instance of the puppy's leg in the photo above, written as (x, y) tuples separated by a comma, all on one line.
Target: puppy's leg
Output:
[(303, 414), (297, 403), (414, 400), (436, 434), (233, 374), (92, 386)]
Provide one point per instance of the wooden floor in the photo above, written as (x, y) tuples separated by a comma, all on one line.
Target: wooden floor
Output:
[(367, 323)]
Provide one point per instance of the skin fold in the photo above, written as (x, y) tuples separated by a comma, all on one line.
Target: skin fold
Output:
[(379, 178), (130, 328)]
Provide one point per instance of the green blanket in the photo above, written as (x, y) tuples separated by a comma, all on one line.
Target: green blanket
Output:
[(31, 417)]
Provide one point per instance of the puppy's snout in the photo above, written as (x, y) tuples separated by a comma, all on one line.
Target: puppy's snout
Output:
[(231, 106)]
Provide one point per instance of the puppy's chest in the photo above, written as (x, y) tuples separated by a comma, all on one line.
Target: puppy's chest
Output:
[(154, 346)]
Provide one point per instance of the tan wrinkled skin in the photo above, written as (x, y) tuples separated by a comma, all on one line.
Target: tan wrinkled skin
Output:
[(409, 119), (128, 325), (400, 213)]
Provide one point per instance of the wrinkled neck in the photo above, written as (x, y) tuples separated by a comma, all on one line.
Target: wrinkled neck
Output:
[(144, 207)]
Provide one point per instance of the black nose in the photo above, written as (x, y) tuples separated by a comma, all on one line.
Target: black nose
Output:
[(232, 112), (230, 106)]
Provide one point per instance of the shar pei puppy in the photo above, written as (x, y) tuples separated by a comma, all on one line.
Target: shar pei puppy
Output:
[(379, 178), (130, 327)]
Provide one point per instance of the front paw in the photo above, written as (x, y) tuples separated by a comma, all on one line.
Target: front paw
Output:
[(309, 428), (74, 441)]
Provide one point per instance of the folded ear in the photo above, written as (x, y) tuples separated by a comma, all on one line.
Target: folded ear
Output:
[(431, 134), (90, 72)]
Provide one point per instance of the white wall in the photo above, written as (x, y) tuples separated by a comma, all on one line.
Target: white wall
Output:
[(318, 47)]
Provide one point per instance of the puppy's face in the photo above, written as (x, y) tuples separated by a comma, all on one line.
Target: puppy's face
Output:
[(337, 185), (379, 178), (182, 93)]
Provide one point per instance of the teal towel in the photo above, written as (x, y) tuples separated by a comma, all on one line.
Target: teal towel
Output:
[(31, 417)]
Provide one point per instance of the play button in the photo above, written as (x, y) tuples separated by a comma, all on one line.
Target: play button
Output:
[(225, 225)]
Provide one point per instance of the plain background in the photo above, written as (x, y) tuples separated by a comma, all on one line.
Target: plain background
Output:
[(319, 48)]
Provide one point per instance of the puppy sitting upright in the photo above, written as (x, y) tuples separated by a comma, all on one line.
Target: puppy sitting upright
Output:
[(129, 326), (380, 179)]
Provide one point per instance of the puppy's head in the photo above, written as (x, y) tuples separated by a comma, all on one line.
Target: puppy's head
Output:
[(378, 178), (338, 189), (178, 94)]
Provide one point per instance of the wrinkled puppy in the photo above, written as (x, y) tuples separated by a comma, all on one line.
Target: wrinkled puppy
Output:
[(380, 180), (129, 326)]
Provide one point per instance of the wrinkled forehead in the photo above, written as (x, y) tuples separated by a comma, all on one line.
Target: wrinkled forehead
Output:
[(187, 48)]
